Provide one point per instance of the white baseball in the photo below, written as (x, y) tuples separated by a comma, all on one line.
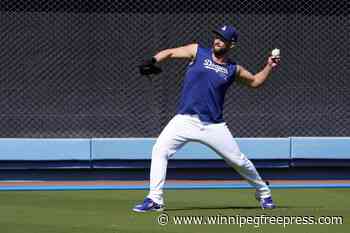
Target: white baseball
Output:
[(275, 53)]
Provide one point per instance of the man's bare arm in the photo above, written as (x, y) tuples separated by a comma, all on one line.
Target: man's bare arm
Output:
[(148, 67), (187, 51), (258, 79)]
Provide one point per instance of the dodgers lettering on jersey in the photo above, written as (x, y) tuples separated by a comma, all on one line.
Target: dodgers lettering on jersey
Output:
[(218, 68), (205, 86)]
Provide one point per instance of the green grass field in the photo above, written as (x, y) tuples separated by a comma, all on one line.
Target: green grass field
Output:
[(110, 211)]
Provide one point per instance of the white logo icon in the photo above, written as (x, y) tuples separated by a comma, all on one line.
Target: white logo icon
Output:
[(224, 28)]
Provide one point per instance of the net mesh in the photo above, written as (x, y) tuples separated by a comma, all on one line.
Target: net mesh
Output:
[(69, 68)]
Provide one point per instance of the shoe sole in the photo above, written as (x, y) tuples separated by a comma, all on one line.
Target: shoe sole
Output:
[(268, 208), (151, 210)]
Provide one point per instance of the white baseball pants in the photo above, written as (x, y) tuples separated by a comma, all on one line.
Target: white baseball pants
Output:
[(184, 128)]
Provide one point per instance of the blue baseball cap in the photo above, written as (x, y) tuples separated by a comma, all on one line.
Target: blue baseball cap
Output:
[(228, 33)]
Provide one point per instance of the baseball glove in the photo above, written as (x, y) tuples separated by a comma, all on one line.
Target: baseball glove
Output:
[(149, 67)]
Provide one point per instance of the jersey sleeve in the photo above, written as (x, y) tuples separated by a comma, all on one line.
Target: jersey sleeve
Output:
[(233, 71), (199, 54)]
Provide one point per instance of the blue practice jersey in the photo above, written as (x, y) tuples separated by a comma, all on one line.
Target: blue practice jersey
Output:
[(205, 86)]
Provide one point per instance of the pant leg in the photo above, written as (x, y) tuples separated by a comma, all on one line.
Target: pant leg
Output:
[(220, 139), (173, 137)]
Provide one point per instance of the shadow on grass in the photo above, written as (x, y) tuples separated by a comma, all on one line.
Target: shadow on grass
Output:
[(220, 208), (279, 207)]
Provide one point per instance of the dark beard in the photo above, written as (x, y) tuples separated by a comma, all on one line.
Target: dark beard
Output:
[(221, 52)]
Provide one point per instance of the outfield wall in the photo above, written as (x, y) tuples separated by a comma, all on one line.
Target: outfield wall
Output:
[(130, 153)]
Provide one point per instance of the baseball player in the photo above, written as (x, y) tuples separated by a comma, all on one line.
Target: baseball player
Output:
[(199, 115)]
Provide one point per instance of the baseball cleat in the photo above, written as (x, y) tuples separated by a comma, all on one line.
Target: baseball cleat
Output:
[(148, 205), (267, 203)]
